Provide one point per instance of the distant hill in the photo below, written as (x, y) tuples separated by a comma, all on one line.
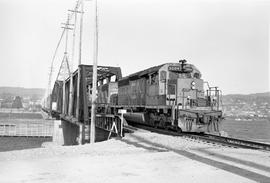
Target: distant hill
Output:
[(249, 106), (22, 92), (255, 97)]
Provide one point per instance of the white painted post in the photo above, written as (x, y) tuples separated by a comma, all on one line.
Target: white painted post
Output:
[(122, 112), (94, 83), (122, 121)]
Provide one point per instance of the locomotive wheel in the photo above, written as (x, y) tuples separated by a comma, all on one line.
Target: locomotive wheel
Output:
[(179, 130), (166, 127), (152, 120), (162, 121), (156, 123)]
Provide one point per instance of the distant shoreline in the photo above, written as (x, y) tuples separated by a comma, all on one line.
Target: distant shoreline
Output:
[(246, 119)]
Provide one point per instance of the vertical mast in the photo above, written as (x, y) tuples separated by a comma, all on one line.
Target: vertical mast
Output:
[(64, 108), (71, 87), (94, 83)]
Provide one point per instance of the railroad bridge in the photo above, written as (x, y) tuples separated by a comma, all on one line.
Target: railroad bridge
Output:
[(70, 103), (69, 100)]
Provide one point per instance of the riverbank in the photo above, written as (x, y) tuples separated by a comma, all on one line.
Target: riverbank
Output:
[(139, 157)]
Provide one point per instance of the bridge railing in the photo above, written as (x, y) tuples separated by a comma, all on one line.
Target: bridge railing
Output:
[(27, 129), (110, 123)]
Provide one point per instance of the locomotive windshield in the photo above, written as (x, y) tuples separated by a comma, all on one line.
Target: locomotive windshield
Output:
[(175, 75), (190, 75)]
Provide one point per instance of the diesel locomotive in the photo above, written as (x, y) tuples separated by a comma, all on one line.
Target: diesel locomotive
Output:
[(171, 95)]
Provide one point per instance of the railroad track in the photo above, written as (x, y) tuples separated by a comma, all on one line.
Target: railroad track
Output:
[(238, 142), (209, 138), (129, 129)]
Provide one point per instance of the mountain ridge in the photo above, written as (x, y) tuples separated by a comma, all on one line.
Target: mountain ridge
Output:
[(21, 91), (251, 94)]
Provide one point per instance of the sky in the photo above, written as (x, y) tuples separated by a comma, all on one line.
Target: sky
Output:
[(228, 41)]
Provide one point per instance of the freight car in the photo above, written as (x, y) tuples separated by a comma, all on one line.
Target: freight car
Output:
[(170, 95)]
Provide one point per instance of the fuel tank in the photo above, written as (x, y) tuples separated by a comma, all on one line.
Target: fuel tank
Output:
[(136, 117)]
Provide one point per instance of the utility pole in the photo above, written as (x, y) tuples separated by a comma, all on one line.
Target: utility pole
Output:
[(67, 62), (94, 83), (71, 87), (79, 62)]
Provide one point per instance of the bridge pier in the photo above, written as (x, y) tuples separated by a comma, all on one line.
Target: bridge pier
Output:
[(66, 133)]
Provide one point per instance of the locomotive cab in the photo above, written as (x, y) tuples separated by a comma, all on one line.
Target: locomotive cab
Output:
[(193, 109)]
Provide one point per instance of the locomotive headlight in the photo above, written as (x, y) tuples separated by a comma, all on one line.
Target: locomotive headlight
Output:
[(193, 85)]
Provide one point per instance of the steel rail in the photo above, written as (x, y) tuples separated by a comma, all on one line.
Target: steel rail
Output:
[(251, 144)]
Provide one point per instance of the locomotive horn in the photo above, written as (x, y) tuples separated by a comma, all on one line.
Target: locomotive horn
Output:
[(182, 63)]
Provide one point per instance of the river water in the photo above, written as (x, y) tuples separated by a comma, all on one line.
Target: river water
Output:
[(248, 130), (19, 143)]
